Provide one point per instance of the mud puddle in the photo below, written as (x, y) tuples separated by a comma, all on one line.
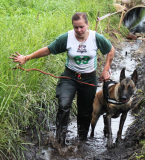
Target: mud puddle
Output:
[(85, 150)]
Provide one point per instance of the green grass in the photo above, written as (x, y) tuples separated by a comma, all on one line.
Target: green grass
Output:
[(26, 26), (142, 154)]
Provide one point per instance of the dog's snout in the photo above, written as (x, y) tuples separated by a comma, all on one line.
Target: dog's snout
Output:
[(124, 98)]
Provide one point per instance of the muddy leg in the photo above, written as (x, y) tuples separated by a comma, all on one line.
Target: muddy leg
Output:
[(110, 141), (122, 120), (83, 124), (85, 98), (92, 132), (62, 121), (94, 120), (95, 115), (105, 126), (65, 93)]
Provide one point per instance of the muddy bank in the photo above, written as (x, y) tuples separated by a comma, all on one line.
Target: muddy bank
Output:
[(45, 146)]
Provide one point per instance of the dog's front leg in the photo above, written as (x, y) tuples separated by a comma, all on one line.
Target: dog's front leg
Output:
[(110, 141), (122, 120)]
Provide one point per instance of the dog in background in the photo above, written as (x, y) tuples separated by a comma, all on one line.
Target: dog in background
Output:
[(121, 92)]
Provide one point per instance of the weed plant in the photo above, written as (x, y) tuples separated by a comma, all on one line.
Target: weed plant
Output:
[(26, 26)]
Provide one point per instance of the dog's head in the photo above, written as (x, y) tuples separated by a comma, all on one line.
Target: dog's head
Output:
[(127, 85)]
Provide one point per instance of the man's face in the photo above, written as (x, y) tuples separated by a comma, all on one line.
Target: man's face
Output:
[(80, 28)]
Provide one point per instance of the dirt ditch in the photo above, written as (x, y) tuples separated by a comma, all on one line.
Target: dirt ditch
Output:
[(130, 55)]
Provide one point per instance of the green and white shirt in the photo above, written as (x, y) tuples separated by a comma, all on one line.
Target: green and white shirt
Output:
[(81, 56)]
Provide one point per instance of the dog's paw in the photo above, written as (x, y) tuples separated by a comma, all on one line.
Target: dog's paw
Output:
[(92, 134), (118, 140), (110, 144)]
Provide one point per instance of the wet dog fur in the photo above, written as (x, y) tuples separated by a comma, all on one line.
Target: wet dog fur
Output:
[(123, 92)]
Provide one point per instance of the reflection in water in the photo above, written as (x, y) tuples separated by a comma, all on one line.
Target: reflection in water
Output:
[(134, 20)]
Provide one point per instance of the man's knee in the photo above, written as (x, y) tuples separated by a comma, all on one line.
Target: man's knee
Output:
[(64, 104)]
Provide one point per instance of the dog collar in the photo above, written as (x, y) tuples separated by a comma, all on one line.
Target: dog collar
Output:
[(107, 95)]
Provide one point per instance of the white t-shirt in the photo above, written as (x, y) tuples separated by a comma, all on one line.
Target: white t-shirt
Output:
[(82, 56)]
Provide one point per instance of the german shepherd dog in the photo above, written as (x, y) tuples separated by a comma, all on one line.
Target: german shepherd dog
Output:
[(121, 92)]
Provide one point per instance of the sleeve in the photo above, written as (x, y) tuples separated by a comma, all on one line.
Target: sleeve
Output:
[(58, 45), (103, 44)]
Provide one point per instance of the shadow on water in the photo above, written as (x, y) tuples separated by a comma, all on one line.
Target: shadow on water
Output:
[(85, 150), (134, 19)]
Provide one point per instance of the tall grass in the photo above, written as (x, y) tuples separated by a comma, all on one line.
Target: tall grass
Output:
[(26, 26)]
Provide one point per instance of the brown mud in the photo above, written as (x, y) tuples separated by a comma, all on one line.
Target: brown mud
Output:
[(46, 147)]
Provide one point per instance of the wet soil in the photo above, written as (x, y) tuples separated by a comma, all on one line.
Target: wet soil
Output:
[(129, 148), (129, 54)]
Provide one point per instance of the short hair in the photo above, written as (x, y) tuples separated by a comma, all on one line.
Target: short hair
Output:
[(80, 15)]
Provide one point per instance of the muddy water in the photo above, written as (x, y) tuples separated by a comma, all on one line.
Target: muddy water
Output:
[(85, 150)]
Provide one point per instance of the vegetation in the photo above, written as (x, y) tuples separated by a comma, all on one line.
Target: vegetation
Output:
[(27, 26)]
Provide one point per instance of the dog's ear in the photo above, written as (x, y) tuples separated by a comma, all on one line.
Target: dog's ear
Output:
[(122, 74), (134, 76)]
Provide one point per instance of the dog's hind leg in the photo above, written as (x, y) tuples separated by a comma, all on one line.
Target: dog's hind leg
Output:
[(122, 120), (95, 117), (93, 124), (95, 114)]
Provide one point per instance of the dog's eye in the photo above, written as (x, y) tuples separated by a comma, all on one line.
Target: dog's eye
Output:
[(129, 87)]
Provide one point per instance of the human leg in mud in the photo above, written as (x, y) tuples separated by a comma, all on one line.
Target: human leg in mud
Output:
[(85, 98), (65, 92)]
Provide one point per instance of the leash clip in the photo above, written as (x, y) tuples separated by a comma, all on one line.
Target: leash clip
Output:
[(78, 75)]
